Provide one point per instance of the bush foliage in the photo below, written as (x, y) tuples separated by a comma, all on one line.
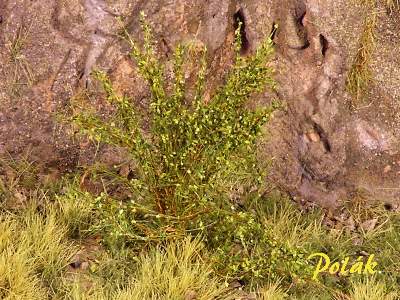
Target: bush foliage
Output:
[(191, 143), (194, 152)]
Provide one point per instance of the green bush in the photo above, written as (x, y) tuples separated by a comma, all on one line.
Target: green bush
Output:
[(194, 153), (191, 144)]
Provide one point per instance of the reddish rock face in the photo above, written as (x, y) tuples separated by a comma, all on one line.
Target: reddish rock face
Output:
[(324, 146), (338, 144)]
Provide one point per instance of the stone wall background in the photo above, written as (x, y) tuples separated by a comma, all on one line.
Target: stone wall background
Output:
[(324, 148)]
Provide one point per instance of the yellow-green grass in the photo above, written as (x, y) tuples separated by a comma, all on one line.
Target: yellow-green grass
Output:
[(175, 272), (33, 255), (273, 291), (35, 252), (36, 248), (371, 289), (360, 74)]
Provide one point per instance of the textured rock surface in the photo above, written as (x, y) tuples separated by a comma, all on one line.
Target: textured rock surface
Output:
[(323, 149)]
